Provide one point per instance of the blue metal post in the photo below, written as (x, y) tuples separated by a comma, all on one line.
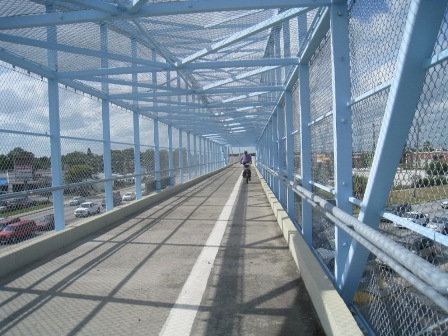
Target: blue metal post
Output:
[(170, 154), (201, 157), (281, 154), (195, 156), (105, 114), (305, 150), (290, 195), (181, 158), (157, 154), (342, 126), (275, 158), (136, 123), (208, 156), (189, 156), (55, 132)]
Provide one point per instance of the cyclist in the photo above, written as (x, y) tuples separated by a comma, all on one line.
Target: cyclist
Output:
[(245, 160)]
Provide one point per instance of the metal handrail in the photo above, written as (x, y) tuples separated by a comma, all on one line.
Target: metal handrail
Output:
[(395, 254)]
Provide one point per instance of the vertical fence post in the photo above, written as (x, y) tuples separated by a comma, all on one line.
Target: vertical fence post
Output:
[(170, 155), (195, 158), (305, 150), (290, 195), (157, 154), (136, 123), (55, 131), (181, 158), (342, 126), (105, 112), (275, 159), (201, 157), (281, 153)]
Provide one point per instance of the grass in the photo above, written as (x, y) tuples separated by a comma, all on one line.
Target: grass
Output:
[(25, 210), (422, 195)]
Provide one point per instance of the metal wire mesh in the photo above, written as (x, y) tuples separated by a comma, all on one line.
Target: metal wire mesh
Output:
[(296, 130), (372, 56), (366, 120), (25, 168)]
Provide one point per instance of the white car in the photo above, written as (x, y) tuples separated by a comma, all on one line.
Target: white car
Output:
[(129, 196), (416, 217), (77, 200), (444, 204), (439, 224), (86, 209)]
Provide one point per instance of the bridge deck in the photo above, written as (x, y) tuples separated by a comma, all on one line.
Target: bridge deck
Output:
[(208, 261)]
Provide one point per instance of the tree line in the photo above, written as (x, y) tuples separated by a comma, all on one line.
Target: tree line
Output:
[(79, 165)]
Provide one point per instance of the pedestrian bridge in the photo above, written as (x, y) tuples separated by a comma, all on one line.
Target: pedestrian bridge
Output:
[(342, 104)]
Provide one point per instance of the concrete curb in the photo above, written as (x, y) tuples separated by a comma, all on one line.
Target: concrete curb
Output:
[(28, 252), (335, 317)]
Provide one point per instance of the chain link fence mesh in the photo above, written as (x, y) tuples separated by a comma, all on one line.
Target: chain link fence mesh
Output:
[(25, 162)]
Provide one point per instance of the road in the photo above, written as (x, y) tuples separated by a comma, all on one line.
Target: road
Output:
[(70, 219)]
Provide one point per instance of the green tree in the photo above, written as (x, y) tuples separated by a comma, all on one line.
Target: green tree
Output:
[(437, 168), (43, 162), (427, 146), (359, 186), (164, 159), (78, 173), (74, 158), (147, 160), (20, 154), (5, 163)]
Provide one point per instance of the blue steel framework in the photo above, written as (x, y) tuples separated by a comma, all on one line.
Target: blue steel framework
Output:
[(232, 74)]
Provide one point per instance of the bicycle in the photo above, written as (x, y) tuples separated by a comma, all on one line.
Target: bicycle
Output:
[(247, 173)]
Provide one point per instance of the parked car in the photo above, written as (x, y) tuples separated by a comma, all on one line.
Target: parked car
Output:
[(444, 204), (116, 199), (77, 200), (397, 210), (86, 209), (129, 196), (420, 245), (45, 223), (416, 217), (19, 231), (20, 203), (3, 206), (8, 220), (439, 224)]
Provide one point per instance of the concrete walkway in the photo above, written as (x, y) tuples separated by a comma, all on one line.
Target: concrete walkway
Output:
[(210, 260)]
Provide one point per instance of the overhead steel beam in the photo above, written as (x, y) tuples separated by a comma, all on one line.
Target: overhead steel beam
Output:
[(180, 106), (239, 89), (95, 4), (76, 50), (249, 95), (151, 10), (318, 30), (137, 5), (106, 72), (273, 21), (239, 64), (167, 90), (239, 77), (25, 64)]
